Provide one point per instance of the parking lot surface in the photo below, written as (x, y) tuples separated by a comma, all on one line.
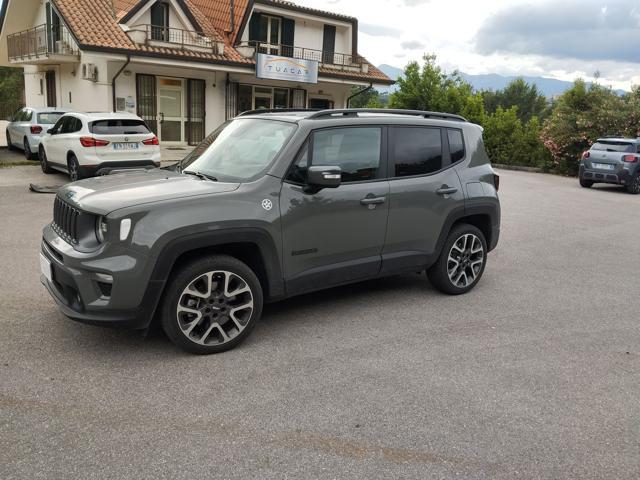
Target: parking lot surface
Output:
[(534, 374)]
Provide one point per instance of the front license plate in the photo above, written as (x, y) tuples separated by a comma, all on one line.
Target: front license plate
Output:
[(45, 267), (125, 146), (603, 166)]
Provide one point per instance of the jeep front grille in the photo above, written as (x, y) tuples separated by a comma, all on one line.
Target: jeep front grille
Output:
[(65, 220)]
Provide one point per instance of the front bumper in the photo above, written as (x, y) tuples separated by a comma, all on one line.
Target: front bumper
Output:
[(79, 285)]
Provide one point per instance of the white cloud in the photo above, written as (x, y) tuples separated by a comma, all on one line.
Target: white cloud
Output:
[(449, 29)]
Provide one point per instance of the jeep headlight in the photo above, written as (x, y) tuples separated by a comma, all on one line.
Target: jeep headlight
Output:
[(102, 227)]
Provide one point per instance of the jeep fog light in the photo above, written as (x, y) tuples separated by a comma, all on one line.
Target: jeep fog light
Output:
[(125, 227)]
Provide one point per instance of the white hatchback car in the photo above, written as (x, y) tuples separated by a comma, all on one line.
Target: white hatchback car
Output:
[(89, 144)]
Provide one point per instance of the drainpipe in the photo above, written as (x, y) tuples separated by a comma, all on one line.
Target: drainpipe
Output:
[(360, 92), (113, 81)]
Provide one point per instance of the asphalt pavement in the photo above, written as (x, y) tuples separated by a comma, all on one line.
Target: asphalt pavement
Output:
[(534, 374)]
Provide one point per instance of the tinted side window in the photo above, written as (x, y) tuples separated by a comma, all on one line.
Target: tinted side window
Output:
[(28, 114), (417, 150), (456, 145), (58, 126), (69, 125), (355, 150)]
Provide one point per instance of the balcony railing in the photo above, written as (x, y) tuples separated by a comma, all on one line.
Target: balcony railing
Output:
[(178, 37), (41, 42), (328, 59)]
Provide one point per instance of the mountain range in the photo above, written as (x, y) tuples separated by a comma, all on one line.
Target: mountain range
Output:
[(549, 87)]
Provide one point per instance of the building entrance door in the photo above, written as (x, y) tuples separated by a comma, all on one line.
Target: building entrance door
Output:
[(171, 110)]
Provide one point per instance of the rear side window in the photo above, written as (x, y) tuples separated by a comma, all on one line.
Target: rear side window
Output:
[(71, 125), (119, 127), (28, 114), (456, 145), (49, 118), (416, 150), (614, 146), (355, 150)]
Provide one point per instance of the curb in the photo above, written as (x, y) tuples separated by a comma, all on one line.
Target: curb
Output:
[(518, 168)]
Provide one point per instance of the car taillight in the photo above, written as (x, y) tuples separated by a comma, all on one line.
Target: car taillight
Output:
[(36, 129), (496, 181), (630, 158), (586, 154), (151, 141), (93, 142)]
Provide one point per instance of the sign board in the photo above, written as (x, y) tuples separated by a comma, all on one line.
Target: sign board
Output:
[(274, 67)]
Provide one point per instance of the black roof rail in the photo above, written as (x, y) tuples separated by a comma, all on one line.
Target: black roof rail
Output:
[(353, 112), (277, 110)]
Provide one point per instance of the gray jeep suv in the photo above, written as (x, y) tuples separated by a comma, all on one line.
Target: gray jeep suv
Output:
[(274, 204)]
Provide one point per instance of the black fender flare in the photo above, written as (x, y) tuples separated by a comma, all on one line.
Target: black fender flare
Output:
[(490, 209)]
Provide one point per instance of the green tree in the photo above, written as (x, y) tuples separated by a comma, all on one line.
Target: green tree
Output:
[(530, 102), (581, 115), (11, 90), (368, 99), (430, 88)]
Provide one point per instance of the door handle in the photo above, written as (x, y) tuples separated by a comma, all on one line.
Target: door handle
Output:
[(445, 190), (373, 200)]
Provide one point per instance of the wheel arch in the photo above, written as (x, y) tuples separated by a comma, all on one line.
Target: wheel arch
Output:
[(253, 246), (485, 217)]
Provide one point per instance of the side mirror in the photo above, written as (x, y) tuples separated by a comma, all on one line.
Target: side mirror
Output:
[(50, 131), (324, 177)]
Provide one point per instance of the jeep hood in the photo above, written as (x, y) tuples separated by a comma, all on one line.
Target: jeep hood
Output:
[(102, 195)]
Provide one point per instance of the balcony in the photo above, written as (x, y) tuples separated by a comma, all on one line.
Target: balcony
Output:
[(159, 36), (331, 60), (42, 44)]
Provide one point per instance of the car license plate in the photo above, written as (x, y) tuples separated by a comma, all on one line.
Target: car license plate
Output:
[(603, 166), (45, 268), (125, 146)]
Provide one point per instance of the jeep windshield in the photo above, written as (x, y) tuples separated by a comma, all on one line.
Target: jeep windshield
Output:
[(238, 150)]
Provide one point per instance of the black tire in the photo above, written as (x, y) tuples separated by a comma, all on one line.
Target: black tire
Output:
[(634, 186), (44, 164), (175, 294), (439, 273), (27, 149), (74, 169), (586, 183), (9, 144)]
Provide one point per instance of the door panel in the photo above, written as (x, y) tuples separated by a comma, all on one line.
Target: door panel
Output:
[(147, 102), (419, 204), (171, 110), (336, 235), (329, 236)]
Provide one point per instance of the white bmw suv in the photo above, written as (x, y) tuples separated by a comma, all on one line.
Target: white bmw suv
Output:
[(89, 144)]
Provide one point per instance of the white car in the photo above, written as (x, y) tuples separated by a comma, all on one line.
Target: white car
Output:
[(88, 144), (27, 127)]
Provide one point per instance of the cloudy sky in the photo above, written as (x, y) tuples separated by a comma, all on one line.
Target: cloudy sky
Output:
[(562, 39)]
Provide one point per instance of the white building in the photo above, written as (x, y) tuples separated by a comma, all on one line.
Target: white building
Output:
[(183, 65)]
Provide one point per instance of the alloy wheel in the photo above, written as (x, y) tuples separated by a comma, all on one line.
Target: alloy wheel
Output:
[(465, 261), (215, 308)]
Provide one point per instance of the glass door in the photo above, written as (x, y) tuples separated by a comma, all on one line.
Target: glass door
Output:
[(263, 97), (171, 110)]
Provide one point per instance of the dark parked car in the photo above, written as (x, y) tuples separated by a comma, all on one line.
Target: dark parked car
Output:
[(612, 160), (274, 204)]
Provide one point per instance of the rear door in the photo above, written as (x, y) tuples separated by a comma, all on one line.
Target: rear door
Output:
[(125, 137), (336, 235), (57, 143), (424, 191), (16, 128)]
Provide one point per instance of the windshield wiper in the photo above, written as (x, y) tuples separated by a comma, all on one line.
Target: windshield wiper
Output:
[(200, 175)]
